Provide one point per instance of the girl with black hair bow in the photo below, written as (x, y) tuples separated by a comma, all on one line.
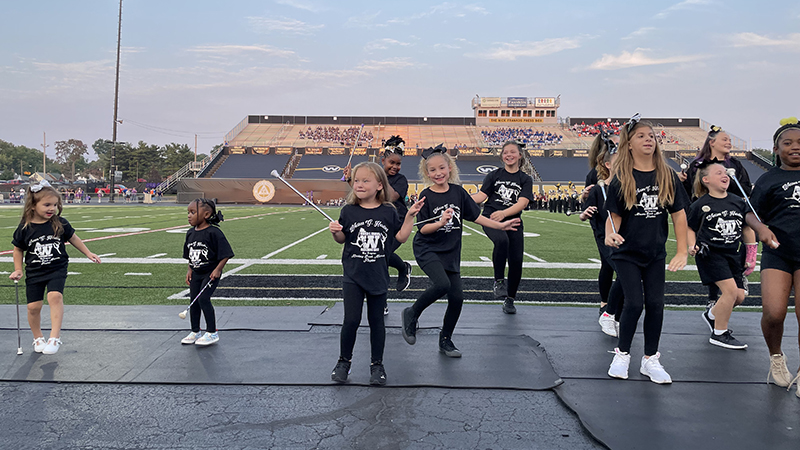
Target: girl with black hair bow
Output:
[(208, 251)]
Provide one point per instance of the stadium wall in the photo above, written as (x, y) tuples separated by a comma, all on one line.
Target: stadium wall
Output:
[(358, 120), (666, 121)]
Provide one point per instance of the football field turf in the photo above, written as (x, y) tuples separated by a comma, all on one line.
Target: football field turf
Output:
[(142, 247)]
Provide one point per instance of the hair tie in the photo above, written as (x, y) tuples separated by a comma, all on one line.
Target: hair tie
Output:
[(707, 162), (611, 146), (714, 130), (38, 187), (395, 144), (430, 151), (787, 123)]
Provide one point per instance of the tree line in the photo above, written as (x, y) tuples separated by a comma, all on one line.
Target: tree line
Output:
[(142, 161)]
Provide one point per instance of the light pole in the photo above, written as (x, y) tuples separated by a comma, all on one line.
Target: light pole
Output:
[(116, 104)]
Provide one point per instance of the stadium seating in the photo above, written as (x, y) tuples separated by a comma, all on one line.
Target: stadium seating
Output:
[(250, 166)]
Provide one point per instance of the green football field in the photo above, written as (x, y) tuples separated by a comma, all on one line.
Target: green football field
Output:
[(141, 248)]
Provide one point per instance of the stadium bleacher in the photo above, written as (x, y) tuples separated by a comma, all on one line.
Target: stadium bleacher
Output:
[(250, 166)]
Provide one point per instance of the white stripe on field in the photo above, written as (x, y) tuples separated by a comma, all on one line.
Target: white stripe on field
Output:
[(484, 258), (157, 255), (474, 230), (536, 258), (139, 274), (182, 294), (322, 256), (106, 254), (293, 243), (595, 260)]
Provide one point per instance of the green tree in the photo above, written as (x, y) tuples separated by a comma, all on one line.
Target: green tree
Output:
[(68, 153), (143, 159), (176, 156), (18, 159)]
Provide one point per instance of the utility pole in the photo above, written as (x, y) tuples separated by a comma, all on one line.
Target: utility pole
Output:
[(44, 155), (116, 104), (195, 148)]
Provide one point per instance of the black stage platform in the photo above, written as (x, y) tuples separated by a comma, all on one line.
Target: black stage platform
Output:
[(719, 398)]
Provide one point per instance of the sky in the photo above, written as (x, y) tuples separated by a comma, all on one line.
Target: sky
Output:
[(200, 67)]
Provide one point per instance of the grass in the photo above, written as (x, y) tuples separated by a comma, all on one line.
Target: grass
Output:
[(257, 231)]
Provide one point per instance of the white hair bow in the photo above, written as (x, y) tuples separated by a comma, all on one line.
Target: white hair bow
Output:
[(38, 187)]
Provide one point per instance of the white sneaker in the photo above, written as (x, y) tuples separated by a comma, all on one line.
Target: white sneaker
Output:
[(795, 380), (207, 339), (652, 368), (39, 344), (607, 324), (619, 365), (191, 337), (52, 346), (778, 370)]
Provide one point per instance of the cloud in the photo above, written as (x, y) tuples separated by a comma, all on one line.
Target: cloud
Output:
[(306, 6), (383, 44), (281, 25), (756, 40), (637, 59), (229, 50), (476, 9), (387, 64), (445, 47), (365, 20), (686, 4), (368, 20), (510, 51), (639, 33)]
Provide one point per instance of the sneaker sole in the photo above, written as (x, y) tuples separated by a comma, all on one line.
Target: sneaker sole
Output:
[(609, 333), (187, 342), (408, 280), (655, 381), (724, 345), (705, 321), (617, 376), (205, 344), (377, 382), (450, 354)]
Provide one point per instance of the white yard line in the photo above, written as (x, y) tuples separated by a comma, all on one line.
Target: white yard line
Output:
[(157, 255), (595, 260), (473, 230), (535, 258), (293, 243)]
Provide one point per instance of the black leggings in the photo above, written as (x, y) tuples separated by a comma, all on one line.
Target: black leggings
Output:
[(396, 262), (644, 289), (508, 245), (610, 290), (203, 303), (353, 305), (442, 282)]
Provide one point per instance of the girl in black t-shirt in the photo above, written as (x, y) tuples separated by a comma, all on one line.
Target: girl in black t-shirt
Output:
[(507, 192), (718, 146), (611, 295), (776, 200), (715, 234), (40, 239), (437, 244), (208, 251), (643, 192), (369, 228)]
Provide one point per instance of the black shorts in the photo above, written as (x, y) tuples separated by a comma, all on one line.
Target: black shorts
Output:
[(771, 260), (718, 266), (35, 291)]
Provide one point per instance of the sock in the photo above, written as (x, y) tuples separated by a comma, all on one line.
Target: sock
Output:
[(711, 314), (720, 332)]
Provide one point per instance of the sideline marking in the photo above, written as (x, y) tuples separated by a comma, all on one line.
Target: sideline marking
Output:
[(526, 234), (106, 254), (293, 244), (484, 258), (473, 229), (537, 259), (322, 256), (595, 260), (139, 274), (157, 255)]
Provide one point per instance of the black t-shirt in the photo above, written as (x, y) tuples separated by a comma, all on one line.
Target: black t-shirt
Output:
[(444, 245), (205, 249), (45, 252), (776, 199), (598, 219), (718, 221), (369, 240), (505, 189), (741, 175), (400, 185), (645, 227)]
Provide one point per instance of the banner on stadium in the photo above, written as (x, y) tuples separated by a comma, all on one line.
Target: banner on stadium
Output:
[(284, 150), (313, 151), (336, 151), (261, 150), (739, 155), (536, 152), (544, 102), (360, 151), (517, 102), (558, 153), (490, 102), (688, 153), (579, 153), (516, 120)]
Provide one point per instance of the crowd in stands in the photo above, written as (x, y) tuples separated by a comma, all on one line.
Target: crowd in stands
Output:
[(666, 138), (335, 134), (528, 136), (582, 129)]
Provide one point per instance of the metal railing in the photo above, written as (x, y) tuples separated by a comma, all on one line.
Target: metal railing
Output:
[(193, 168)]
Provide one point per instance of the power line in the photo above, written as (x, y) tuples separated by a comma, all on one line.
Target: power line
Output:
[(177, 133)]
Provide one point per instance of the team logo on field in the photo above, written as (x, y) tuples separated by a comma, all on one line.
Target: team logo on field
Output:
[(331, 169), (264, 191), (371, 245), (483, 170)]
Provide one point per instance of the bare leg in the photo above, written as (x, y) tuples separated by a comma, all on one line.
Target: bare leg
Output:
[(56, 302), (35, 318), (775, 287), (730, 297)]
